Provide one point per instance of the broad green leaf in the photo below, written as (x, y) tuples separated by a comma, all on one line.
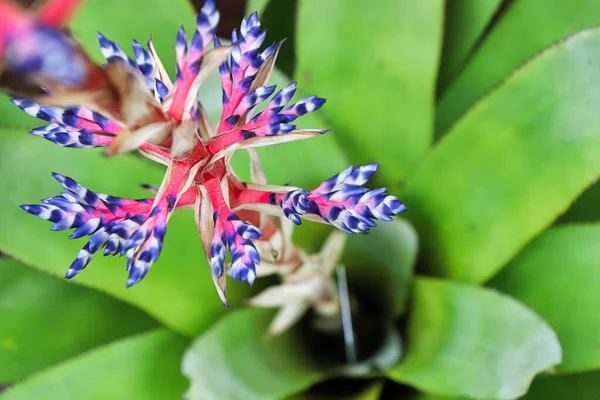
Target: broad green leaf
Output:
[(512, 165), (527, 27), (465, 22), (475, 342), (141, 367), (45, 320), (577, 387), (178, 290), (558, 275), (383, 261), (235, 360), (376, 64)]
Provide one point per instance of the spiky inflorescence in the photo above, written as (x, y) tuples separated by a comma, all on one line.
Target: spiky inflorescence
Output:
[(175, 132), (343, 202), (109, 221)]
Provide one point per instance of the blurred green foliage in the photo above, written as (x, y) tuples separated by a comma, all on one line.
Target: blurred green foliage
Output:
[(484, 118)]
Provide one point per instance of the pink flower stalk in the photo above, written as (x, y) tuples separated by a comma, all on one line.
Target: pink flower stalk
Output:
[(173, 129)]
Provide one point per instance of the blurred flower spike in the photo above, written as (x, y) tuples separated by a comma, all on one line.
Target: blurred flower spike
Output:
[(34, 45), (166, 122)]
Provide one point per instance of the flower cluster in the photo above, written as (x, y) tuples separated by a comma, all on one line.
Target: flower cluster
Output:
[(343, 202), (164, 120)]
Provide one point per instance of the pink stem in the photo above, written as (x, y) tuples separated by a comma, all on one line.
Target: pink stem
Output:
[(153, 149), (253, 196), (223, 141), (188, 198), (174, 181), (215, 193)]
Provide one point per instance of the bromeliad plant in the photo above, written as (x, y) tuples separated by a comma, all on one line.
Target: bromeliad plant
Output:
[(488, 141), (177, 133)]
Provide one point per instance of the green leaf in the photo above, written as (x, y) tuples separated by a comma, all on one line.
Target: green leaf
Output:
[(558, 275), (140, 367), (234, 360), (512, 164), (178, 291), (384, 261), (376, 64), (45, 320), (465, 22), (576, 387), (529, 26), (469, 341)]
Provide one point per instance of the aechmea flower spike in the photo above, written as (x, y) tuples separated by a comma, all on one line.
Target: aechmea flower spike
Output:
[(343, 202), (34, 46), (165, 122), (23, 37)]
